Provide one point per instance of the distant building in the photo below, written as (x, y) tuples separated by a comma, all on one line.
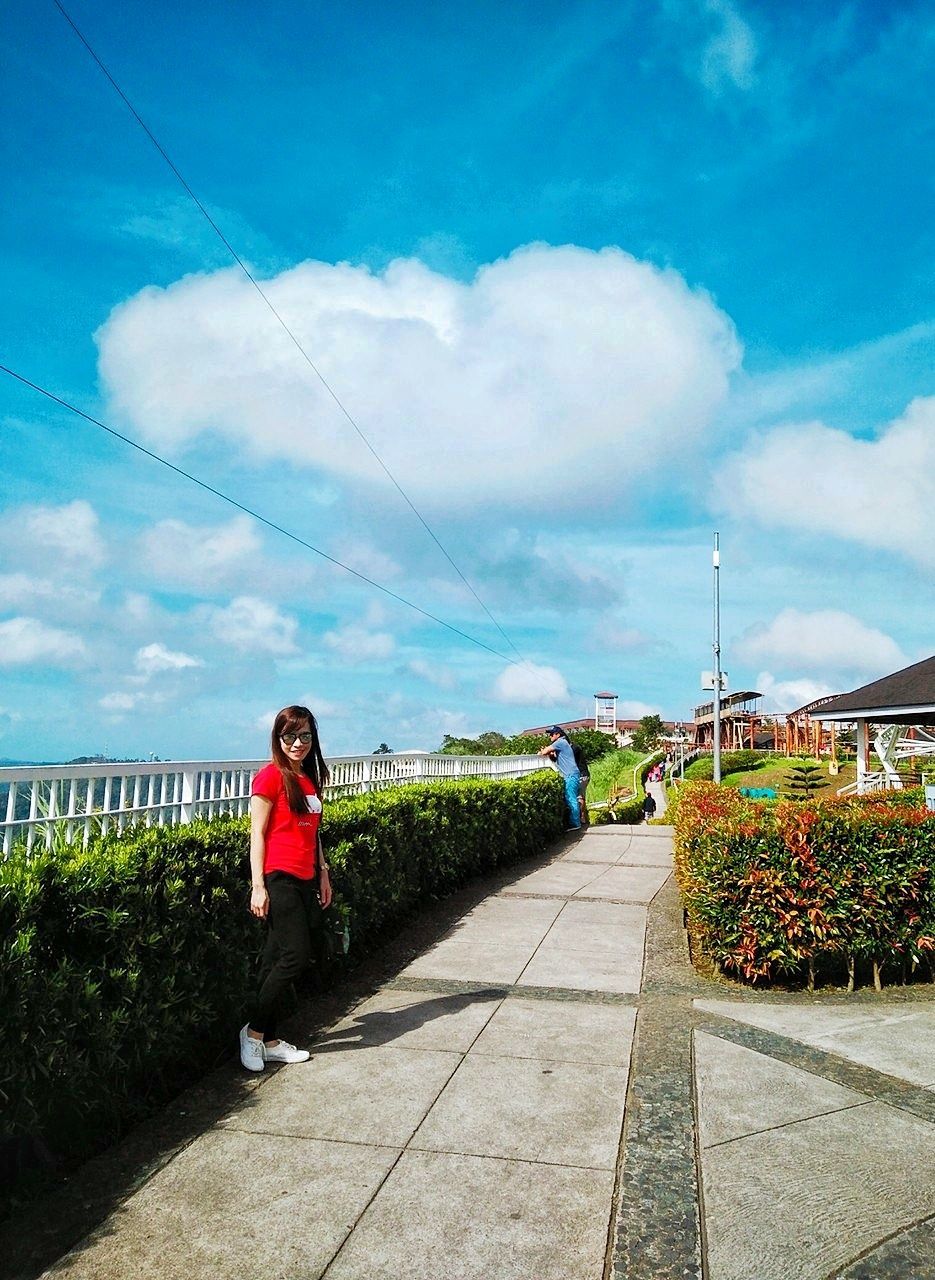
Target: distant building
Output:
[(622, 730)]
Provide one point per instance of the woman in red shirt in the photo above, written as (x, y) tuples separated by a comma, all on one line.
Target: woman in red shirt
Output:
[(285, 813)]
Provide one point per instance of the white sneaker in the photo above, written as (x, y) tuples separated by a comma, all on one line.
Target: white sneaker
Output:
[(285, 1052), (251, 1051)]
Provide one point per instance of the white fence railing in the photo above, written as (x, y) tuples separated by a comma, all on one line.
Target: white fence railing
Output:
[(86, 799)]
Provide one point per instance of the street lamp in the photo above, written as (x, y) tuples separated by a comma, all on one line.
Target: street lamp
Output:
[(716, 561)]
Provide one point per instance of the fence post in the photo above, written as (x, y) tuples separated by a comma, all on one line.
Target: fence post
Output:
[(187, 807), (367, 779)]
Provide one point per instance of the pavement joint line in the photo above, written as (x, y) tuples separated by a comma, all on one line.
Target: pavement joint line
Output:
[(846, 1271), (477, 1036), (658, 1227), (555, 918), (876, 1085), (382, 1183), (452, 986), (699, 1168), (789, 1124), (486, 1155), (305, 1137), (551, 897), (354, 1225), (610, 1240)]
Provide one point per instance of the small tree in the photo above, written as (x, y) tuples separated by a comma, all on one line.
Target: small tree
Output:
[(460, 747), (648, 732), (593, 743), (383, 750), (804, 779), (524, 744)]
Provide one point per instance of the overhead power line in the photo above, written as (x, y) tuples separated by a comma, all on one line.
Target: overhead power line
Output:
[(270, 524), (295, 341)]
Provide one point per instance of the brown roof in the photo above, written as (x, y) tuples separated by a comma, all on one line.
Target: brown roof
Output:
[(569, 725), (905, 697)]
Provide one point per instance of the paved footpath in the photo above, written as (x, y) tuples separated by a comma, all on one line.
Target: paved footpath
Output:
[(550, 1093)]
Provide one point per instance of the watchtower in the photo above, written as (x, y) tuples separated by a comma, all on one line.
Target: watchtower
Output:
[(605, 712)]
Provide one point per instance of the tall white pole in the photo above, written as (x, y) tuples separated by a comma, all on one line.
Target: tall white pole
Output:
[(716, 560)]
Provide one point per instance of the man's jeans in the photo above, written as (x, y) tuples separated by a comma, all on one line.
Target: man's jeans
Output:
[(572, 783)]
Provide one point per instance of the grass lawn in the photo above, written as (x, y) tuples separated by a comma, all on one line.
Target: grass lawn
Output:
[(613, 770), (776, 772)]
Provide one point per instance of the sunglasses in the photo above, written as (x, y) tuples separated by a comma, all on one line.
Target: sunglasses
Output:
[(290, 738)]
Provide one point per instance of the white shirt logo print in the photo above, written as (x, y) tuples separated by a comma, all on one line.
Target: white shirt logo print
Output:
[(314, 804)]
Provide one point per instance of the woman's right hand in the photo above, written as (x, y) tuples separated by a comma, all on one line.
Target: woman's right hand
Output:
[(259, 902)]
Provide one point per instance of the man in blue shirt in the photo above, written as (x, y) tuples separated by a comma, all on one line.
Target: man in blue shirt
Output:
[(560, 749)]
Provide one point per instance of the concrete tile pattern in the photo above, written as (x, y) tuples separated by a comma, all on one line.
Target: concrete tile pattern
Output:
[(591, 947), (740, 1092), (561, 1030), (643, 853), (566, 1113), (898, 1042), (232, 1201), (908, 1255), (626, 884), (376, 1095), (559, 880), (442, 1216), (412, 1020), (798, 1202)]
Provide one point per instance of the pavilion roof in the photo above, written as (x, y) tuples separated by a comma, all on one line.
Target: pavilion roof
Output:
[(905, 697)]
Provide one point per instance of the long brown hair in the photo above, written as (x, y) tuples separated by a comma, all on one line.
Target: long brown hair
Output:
[(290, 720)]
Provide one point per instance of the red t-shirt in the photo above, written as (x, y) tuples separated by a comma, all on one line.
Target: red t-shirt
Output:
[(291, 838)]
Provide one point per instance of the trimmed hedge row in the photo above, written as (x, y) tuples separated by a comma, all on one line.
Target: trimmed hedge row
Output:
[(790, 888), (125, 968)]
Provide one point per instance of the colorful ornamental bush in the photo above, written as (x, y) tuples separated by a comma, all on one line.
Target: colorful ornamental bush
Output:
[(785, 890)]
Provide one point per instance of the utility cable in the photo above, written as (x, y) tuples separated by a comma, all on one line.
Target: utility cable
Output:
[(295, 341), (270, 524)]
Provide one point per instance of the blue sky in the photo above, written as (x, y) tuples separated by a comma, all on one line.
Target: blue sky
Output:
[(594, 279)]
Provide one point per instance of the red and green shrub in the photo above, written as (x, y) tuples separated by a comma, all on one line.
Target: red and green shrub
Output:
[(784, 890)]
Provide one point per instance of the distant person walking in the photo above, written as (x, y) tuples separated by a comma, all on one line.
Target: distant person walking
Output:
[(286, 869), (559, 749), (649, 806)]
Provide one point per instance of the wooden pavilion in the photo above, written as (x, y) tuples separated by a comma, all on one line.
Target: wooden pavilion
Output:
[(901, 708)]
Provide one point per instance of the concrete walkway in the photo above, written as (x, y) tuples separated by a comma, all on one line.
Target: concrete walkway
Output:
[(551, 1093)]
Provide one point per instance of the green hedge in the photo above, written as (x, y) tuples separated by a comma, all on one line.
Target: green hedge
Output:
[(125, 968), (839, 887), (702, 770)]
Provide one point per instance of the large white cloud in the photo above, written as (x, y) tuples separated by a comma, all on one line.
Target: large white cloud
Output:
[(155, 658), (518, 386), (808, 477), (53, 540), (70, 531), (355, 643), (203, 557), (823, 642), (252, 626), (24, 641), (782, 696), (529, 685)]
